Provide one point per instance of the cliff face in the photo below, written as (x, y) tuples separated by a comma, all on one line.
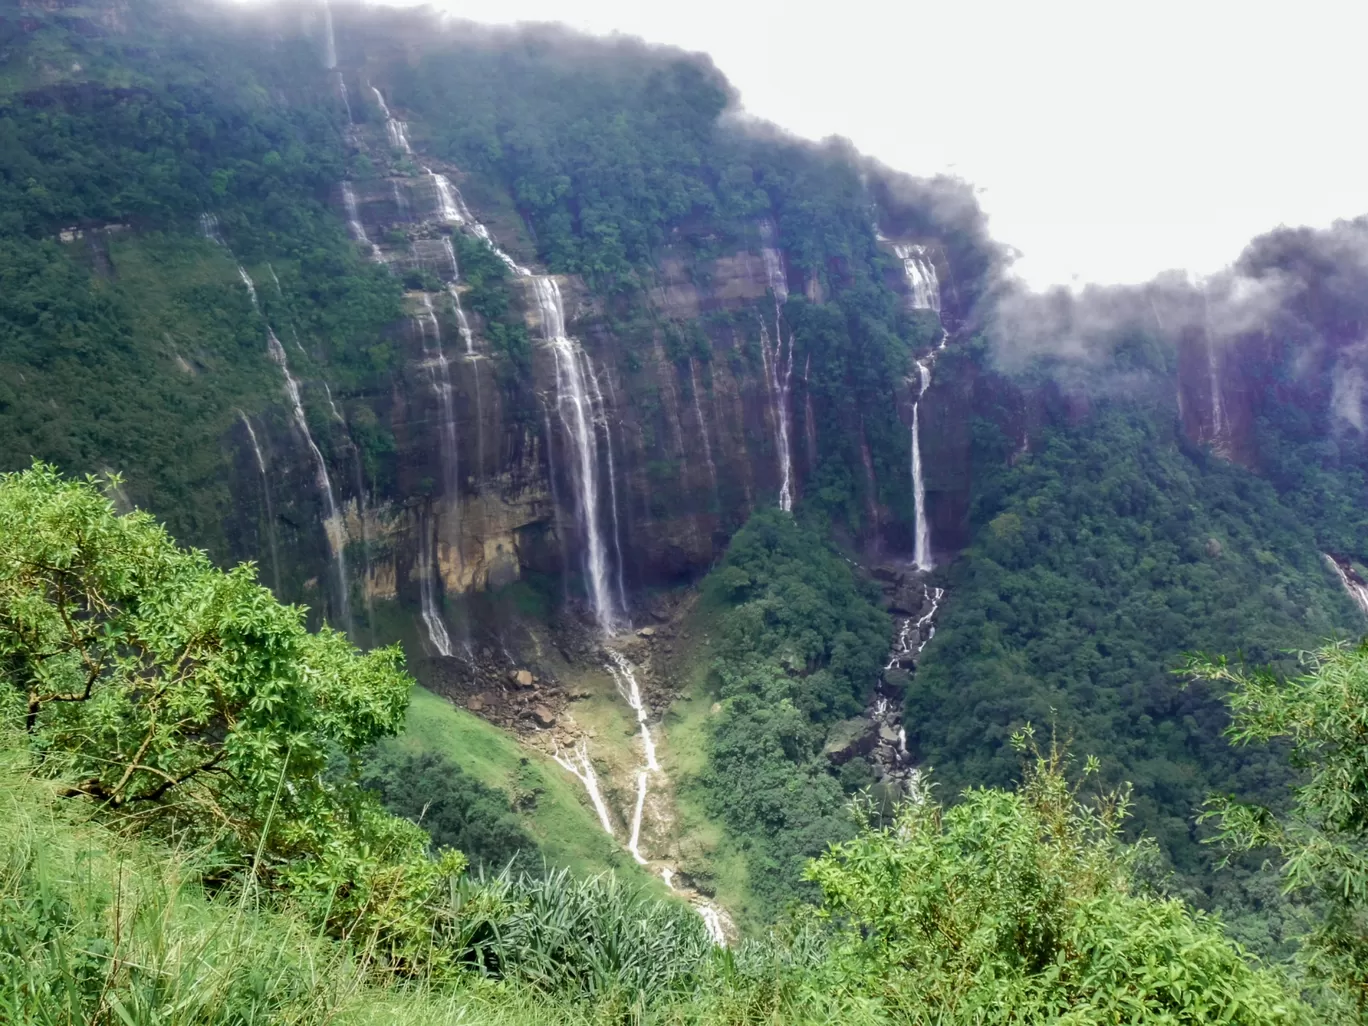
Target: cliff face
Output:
[(693, 403)]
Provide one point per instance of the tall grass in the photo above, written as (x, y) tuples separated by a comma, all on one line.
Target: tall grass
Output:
[(97, 928)]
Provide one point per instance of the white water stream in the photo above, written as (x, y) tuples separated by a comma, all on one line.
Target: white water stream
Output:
[(333, 525), (427, 591), (702, 427), (921, 277), (1357, 588), (270, 506), (579, 417), (577, 762), (358, 230), (778, 368), (922, 549)]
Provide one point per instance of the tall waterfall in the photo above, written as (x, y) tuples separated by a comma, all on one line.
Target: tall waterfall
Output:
[(358, 230), (439, 375), (1353, 583), (778, 369), (921, 277), (270, 506), (396, 130), (922, 551), (1218, 416), (329, 39), (774, 262), (925, 289), (578, 416), (427, 591), (702, 428), (332, 523)]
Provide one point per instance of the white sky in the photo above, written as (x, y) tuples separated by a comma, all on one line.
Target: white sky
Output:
[(1109, 140)]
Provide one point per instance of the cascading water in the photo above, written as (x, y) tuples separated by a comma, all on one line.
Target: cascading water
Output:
[(330, 58), (809, 418), (602, 418), (922, 550), (395, 129), (624, 676), (358, 230), (1353, 583), (427, 592), (332, 523), (778, 370), (439, 376), (702, 428), (209, 228), (921, 277), (774, 263), (778, 377), (577, 762), (266, 495), (577, 415)]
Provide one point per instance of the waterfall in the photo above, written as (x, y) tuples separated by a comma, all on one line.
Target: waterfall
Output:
[(577, 415), (439, 375), (395, 129), (774, 263), (612, 478), (427, 591), (922, 550), (703, 428), (462, 322), (358, 230), (712, 922), (809, 418), (577, 762), (921, 277), (778, 379), (251, 287), (463, 325), (332, 523), (329, 39), (209, 228), (270, 506), (1218, 418), (1353, 583), (625, 679)]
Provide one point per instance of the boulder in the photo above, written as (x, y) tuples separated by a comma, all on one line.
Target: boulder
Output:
[(521, 678), (476, 704), (646, 632), (543, 715)]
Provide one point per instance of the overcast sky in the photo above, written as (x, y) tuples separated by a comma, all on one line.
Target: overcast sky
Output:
[(1109, 140)]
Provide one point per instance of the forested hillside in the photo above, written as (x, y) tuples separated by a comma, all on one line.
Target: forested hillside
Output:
[(723, 482)]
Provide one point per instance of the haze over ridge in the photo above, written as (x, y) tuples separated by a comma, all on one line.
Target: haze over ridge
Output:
[(1106, 145)]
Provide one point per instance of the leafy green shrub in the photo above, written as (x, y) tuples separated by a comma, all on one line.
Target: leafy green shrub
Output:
[(1021, 907), (187, 700)]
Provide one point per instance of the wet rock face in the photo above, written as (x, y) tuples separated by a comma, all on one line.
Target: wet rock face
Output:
[(685, 436)]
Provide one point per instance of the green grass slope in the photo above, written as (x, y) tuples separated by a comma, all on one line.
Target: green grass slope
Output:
[(550, 804)]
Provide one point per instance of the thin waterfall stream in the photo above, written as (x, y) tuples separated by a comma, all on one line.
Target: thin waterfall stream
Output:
[(266, 496), (777, 367), (582, 413), (333, 527)]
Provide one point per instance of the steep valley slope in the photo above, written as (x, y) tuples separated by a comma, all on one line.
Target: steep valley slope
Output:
[(716, 476)]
